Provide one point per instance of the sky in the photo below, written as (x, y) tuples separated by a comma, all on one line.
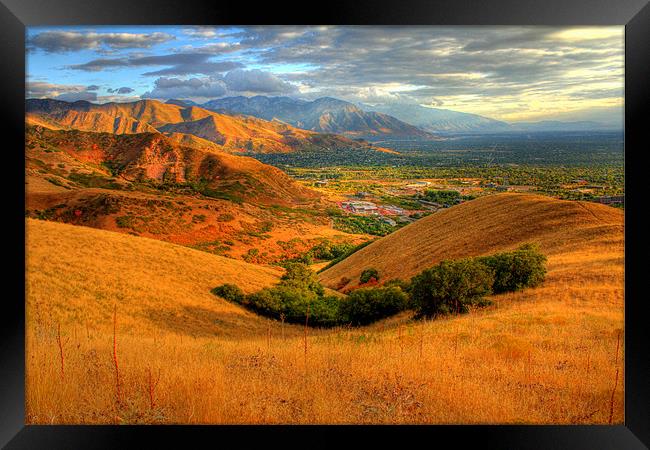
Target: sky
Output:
[(506, 73)]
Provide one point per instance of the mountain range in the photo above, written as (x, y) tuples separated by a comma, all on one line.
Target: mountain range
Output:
[(186, 124), (437, 120), (379, 122), (324, 115)]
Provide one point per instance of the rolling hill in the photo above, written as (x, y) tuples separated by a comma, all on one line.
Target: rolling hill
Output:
[(326, 114), (154, 157), (149, 185), (547, 355), (231, 133), (487, 225), (155, 285)]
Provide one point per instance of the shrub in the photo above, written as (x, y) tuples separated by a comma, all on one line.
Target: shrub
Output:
[(403, 285), (229, 292), (451, 286), (301, 276), (367, 305), (292, 303), (298, 292), (369, 274), (513, 271), (328, 250)]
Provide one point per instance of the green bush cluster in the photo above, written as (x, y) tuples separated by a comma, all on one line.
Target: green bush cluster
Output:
[(230, 292), (367, 305), (328, 250), (453, 286), (513, 271), (450, 287), (299, 293)]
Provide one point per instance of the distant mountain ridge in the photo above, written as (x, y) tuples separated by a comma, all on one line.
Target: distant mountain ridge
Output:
[(198, 125), (438, 120), (441, 120), (325, 115)]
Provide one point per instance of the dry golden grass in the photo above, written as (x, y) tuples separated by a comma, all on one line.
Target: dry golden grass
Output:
[(545, 355), (75, 275), (483, 226)]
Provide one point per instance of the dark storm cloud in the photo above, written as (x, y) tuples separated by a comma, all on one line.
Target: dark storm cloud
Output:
[(179, 64), (67, 41)]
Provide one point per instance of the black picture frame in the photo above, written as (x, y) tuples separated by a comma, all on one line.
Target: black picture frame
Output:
[(15, 15)]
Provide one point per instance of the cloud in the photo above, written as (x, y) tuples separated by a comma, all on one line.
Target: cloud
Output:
[(501, 72), (257, 81), (214, 86), (166, 88), (67, 92), (204, 67), (179, 64), (203, 32), (68, 41), (486, 70), (122, 90), (92, 87)]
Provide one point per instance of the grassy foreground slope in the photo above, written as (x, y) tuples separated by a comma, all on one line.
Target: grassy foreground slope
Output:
[(567, 231), (76, 275), (553, 354)]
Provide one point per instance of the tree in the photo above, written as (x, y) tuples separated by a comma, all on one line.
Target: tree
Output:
[(513, 271), (450, 287), (301, 276), (367, 305)]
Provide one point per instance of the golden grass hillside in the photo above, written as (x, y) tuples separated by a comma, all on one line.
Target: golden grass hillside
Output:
[(553, 354), (76, 275), (487, 225)]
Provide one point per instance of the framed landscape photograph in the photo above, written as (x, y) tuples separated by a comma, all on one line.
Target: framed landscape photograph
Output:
[(424, 215)]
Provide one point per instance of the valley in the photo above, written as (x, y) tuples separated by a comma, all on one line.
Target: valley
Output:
[(135, 213)]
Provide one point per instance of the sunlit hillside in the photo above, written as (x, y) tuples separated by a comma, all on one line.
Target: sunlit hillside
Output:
[(77, 275), (553, 354), (229, 133), (579, 232)]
